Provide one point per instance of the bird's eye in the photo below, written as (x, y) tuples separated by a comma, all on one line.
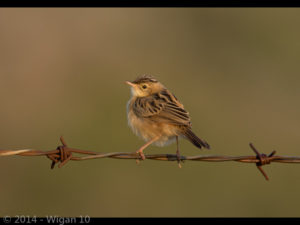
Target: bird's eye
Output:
[(144, 86)]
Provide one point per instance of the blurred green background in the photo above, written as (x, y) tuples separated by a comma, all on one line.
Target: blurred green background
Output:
[(236, 71)]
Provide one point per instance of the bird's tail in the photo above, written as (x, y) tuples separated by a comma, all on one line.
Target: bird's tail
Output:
[(195, 140)]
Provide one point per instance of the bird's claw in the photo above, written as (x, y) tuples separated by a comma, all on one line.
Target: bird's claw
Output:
[(142, 156), (178, 158)]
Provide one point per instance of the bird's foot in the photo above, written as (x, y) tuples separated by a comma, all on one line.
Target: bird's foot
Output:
[(178, 158), (140, 152)]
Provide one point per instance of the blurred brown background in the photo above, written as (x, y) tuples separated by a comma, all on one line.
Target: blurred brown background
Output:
[(62, 72)]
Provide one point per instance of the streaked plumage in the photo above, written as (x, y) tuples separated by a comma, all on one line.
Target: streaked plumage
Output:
[(156, 115)]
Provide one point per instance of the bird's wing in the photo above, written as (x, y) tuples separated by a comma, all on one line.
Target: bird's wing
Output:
[(162, 107)]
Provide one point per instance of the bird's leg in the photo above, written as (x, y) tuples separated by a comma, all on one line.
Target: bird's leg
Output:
[(140, 151), (178, 153)]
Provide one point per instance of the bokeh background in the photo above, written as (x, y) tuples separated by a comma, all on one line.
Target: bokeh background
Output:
[(62, 72)]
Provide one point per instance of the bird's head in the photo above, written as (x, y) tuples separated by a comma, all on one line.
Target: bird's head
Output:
[(144, 86)]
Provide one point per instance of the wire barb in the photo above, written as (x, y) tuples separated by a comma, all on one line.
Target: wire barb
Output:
[(63, 154), (263, 160)]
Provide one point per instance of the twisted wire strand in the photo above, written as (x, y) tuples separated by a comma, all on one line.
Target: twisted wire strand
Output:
[(62, 154)]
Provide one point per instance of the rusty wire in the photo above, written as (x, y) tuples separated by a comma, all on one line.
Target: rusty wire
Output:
[(64, 154)]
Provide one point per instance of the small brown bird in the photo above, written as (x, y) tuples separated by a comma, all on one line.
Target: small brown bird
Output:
[(157, 116)]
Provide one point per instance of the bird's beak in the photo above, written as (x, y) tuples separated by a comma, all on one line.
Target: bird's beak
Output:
[(129, 83)]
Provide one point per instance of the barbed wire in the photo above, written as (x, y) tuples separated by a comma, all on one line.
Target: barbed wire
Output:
[(63, 154)]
